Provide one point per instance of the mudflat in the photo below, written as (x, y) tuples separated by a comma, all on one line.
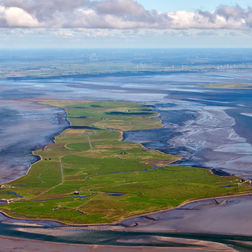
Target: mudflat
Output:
[(24, 245), (211, 216)]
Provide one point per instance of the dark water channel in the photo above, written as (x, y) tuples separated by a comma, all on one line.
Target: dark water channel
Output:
[(53, 232)]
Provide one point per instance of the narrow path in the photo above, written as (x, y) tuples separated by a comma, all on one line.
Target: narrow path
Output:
[(61, 171), (62, 179), (90, 143), (51, 188)]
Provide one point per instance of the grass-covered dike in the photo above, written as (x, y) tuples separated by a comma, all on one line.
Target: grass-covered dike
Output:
[(89, 176)]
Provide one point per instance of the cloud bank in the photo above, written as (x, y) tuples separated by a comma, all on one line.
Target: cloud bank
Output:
[(116, 14)]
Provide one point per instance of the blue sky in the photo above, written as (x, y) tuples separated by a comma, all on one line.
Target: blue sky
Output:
[(125, 24), (190, 5)]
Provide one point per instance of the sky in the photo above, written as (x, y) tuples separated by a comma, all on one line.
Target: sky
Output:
[(191, 5), (125, 24)]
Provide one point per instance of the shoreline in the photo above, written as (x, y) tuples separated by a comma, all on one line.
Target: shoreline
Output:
[(169, 163), (118, 223), (50, 139)]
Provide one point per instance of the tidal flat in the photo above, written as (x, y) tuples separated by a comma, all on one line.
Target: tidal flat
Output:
[(25, 126), (203, 125)]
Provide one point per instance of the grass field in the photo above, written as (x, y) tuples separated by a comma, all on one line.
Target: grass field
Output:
[(90, 176)]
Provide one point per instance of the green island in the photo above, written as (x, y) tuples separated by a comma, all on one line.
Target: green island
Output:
[(90, 176)]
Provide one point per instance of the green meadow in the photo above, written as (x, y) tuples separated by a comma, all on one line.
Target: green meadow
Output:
[(89, 176)]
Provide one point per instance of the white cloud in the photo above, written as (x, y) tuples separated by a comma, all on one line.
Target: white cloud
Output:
[(116, 14), (16, 17)]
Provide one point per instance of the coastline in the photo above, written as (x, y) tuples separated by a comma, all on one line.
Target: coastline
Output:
[(23, 224), (50, 139), (118, 223), (123, 219)]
